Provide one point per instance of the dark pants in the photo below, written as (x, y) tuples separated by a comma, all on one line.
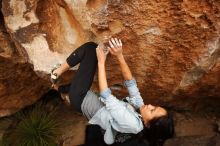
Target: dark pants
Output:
[(86, 56), (94, 137)]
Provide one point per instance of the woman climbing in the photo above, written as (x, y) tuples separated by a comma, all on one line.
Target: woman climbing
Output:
[(111, 114)]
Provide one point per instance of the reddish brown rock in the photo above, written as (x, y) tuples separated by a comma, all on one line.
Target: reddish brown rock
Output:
[(191, 141), (194, 125), (19, 86), (163, 48), (172, 47), (7, 47), (73, 127), (45, 32)]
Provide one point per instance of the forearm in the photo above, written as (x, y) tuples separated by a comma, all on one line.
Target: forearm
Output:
[(102, 77), (124, 68)]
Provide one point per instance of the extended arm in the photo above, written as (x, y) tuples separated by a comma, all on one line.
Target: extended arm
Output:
[(134, 98), (124, 68), (126, 120), (101, 69), (116, 50)]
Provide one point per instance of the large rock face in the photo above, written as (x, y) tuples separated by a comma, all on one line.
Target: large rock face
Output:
[(19, 84), (172, 47)]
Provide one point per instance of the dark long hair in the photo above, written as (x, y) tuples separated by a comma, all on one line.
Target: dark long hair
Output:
[(160, 129)]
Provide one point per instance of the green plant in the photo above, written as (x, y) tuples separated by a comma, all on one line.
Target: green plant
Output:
[(36, 127), (1, 143)]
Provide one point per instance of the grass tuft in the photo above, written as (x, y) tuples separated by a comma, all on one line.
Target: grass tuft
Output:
[(36, 127)]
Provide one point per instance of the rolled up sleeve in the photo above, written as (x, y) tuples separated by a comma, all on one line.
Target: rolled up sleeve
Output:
[(129, 83), (134, 95), (132, 87), (105, 93)]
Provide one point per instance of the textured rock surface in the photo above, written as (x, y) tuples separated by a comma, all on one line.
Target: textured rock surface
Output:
[(73, 129), (19, 84), (172, 48), (193, 141)]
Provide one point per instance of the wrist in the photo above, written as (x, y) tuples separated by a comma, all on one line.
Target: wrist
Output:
[(101, 64), (120, 57)]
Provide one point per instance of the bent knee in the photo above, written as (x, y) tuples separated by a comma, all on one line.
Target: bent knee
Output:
[(91, 45), (91, 49)]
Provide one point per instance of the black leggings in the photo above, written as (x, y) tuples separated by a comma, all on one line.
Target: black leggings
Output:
[(86, 56)]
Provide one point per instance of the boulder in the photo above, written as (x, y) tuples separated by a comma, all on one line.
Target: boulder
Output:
[(189, 141), (19, 83), (172, 47)]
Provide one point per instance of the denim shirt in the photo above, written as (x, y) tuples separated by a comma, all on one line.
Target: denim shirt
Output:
[(117, 115)]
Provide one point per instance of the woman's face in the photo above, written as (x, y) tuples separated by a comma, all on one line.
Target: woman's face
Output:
[(150, 112)]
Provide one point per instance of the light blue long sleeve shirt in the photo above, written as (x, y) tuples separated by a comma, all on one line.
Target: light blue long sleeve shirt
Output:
[(117, 115)]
